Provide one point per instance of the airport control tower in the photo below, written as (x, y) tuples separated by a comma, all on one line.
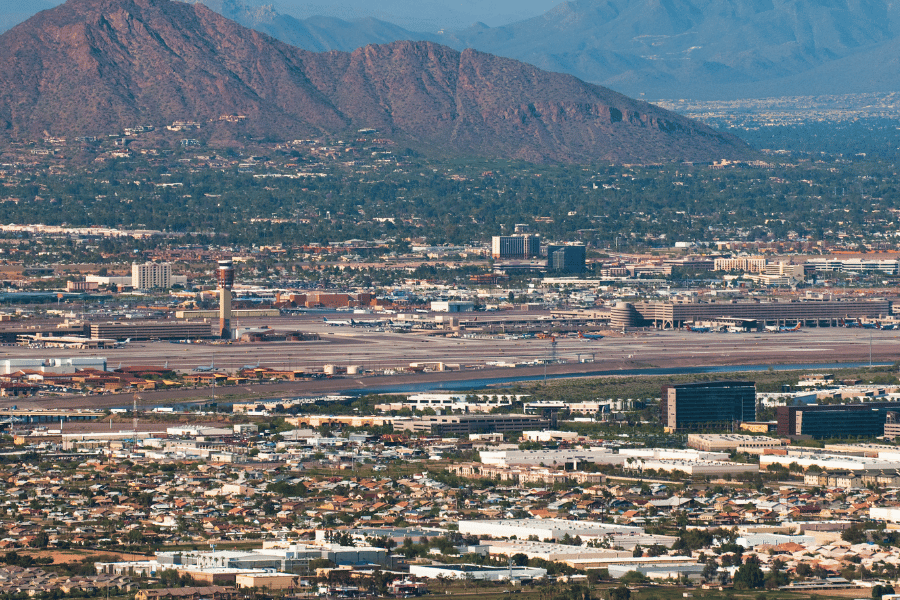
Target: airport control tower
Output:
[(225, 280)]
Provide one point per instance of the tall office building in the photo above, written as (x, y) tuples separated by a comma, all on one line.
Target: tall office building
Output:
[(566, 259), (150, 275), (867, 419), (508, 247), (707, 404)]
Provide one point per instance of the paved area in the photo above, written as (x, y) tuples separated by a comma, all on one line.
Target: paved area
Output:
[(374, 350)]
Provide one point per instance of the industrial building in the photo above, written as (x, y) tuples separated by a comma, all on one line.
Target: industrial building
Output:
[(807, 312), (466, 424), (507, 247), (708, 404), (836, 420)]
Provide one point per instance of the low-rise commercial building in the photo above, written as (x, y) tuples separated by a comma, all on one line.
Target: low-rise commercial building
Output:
[(477, 572), (467, 424), (543, 529), (730, 441), (561, 457)]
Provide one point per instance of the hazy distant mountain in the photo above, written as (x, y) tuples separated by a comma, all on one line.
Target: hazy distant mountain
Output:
[(420, 15), (712, 49), (416, 15), (659, 49), (93, 67), (692, 48), (317, 34)]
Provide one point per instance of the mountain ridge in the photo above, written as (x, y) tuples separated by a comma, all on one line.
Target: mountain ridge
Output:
[(676, 48), (98, 66)]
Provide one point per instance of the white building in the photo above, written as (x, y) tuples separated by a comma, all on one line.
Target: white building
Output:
[(730, 441), (505, 458), (553, 552), (672, 454), (477, 572), (446, 403), (150, 275), (829, 462), (695, 467), (452, 306), (885, 513), (52, 365), (544, 529)]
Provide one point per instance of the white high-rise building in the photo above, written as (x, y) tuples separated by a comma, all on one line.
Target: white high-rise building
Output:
[(151, 275)]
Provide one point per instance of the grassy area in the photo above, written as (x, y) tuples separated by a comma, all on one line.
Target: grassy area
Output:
[(648, 386), (549, 592)]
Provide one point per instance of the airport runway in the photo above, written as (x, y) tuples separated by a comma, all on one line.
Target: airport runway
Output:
[(373, 350)]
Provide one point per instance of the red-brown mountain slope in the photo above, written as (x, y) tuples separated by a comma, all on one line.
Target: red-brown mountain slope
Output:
[(97, 66)]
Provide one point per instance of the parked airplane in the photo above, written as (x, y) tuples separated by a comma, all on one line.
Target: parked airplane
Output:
[(204, 368), (590, 336), (782, 328), (334, 323), (122, 344)]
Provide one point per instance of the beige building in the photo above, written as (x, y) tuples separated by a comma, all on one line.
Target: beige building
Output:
[(748, 264), (271, 581), (151, 275), (730, 441)]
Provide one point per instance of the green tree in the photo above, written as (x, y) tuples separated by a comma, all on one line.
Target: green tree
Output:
[(749, 576), (620, 593)]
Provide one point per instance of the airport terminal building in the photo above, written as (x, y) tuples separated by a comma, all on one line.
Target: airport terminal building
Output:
[(810, 313)]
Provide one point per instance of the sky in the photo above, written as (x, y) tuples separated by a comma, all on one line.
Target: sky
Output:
[(416, 15)]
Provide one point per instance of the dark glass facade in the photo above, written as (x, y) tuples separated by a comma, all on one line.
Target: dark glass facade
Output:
[(704, 405)]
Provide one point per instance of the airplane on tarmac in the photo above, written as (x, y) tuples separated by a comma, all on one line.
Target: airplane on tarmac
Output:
[(783, 329), (339, 323), (205, 368), (122, 344), (590, 336)]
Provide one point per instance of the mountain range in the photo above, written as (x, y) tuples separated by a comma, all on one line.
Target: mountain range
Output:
[(93, 67), (655, 49)]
